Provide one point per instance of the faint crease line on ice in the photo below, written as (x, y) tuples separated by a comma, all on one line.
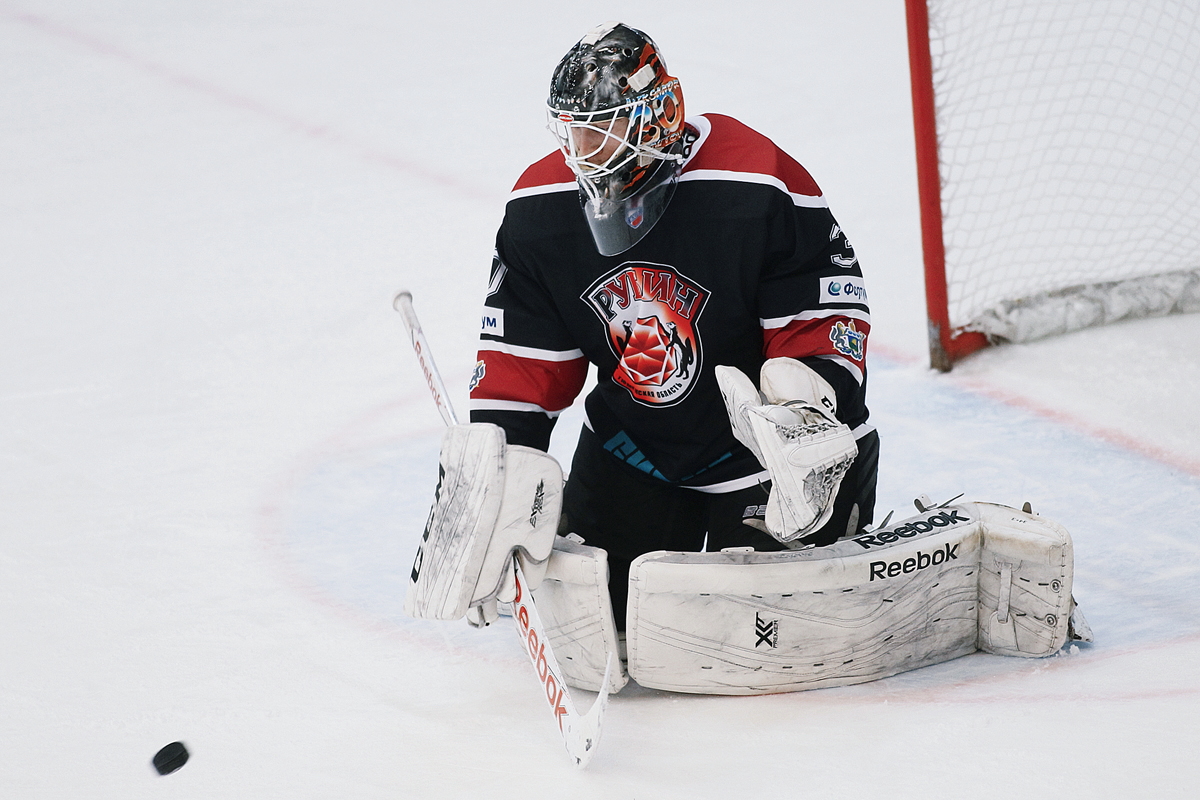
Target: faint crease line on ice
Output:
[(233, 99)]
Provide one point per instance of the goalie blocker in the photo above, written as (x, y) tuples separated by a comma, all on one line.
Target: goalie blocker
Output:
[(939, 585), (492, 500)]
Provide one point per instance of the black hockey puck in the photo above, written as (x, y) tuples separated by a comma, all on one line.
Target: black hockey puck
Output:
[(170, 758)]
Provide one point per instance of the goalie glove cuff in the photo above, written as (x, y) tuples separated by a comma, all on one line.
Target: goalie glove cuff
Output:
[(786, 381), (740, 397)]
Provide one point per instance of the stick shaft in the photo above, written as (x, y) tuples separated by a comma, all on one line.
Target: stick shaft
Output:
[(403, 303)]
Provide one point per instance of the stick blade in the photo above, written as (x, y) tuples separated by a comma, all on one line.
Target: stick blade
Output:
[(582, 734)]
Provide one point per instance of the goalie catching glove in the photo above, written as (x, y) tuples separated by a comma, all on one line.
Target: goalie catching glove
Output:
[(492, 499), (790, 427)]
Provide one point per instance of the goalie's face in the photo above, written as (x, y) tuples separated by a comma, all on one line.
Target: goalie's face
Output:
[(595, 144), (599, 143)]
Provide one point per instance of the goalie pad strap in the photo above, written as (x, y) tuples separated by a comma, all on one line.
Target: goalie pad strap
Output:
[(1025, 574)]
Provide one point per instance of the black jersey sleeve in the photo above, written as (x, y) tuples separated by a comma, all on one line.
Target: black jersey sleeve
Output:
[(528, 369), (813, 303)]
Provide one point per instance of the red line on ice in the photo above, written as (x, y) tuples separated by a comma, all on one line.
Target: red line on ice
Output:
[(1131, 443)]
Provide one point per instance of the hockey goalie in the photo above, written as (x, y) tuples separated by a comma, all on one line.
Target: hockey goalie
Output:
[(715, 527)]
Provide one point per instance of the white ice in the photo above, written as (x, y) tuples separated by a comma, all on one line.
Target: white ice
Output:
[(217, 454)]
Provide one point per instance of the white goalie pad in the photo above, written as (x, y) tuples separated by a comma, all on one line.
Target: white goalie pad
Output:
[(1025, 577), (577, 614), (922, 591), (491, 499), (790, 427)]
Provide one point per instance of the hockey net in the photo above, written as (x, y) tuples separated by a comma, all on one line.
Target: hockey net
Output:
[(1065, 145)]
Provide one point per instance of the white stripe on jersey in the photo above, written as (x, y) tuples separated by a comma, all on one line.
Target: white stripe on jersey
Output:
[(824, 313), (734, 485), (862, 430), (705, 128), (802, 200), (549, 188), (849, 366), (511, 405), (530, 352)]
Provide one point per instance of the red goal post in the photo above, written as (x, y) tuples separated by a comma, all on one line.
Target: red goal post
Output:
[(1058, 164)]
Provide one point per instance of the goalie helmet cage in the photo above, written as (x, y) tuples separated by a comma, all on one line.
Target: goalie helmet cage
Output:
[(1058, 165)]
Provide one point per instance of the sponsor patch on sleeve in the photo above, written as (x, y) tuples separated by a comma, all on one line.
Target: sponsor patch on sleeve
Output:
[(843, 289), (493, 321)]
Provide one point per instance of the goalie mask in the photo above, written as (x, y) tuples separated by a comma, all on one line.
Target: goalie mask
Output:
[(618, 119)]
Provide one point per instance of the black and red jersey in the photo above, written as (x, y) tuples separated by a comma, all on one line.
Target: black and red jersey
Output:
[(747, 263)]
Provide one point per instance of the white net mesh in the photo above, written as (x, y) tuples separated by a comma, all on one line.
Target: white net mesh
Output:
[(1069, 139)]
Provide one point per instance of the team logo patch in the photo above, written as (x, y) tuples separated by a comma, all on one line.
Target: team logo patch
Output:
[(477, 375), (650, 311), (847, 340)]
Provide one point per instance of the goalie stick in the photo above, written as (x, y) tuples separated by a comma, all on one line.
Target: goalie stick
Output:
[(403, 303), (580, 732)]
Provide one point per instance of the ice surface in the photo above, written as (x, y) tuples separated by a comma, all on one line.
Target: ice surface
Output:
[(216, 452)]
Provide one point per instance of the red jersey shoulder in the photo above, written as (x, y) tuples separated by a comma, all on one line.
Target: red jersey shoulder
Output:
[(548, 171), (732, 146)]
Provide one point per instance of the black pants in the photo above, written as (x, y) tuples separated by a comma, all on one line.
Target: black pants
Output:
[(628, 514)]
